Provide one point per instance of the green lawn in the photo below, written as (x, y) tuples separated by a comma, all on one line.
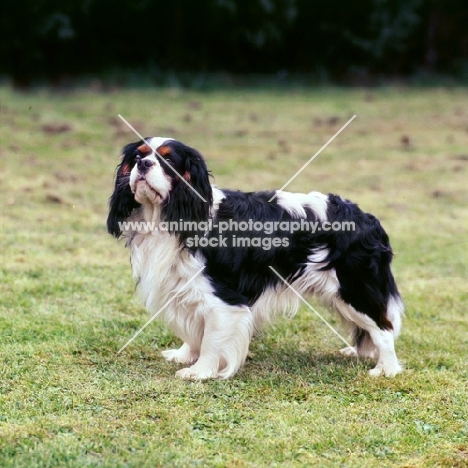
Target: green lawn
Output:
[(67, 305)]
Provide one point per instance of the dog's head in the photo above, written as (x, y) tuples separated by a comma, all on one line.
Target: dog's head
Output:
[(165, 174)]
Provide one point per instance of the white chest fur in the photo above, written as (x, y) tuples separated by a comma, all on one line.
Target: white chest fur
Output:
[(163, 270)]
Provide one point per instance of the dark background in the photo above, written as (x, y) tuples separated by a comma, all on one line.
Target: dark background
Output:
[(57, 40)]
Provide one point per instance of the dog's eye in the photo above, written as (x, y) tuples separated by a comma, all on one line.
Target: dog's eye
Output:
[(137, 157), (168, 160)]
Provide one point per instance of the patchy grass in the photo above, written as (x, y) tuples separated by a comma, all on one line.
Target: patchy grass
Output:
[(67, 399)]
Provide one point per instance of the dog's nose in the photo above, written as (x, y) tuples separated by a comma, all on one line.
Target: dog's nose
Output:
[(144, 165)]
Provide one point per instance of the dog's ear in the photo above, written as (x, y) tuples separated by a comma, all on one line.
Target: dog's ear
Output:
[(185, 200), (122, 202)]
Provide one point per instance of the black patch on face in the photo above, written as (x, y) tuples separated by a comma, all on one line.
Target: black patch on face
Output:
[(122, 202)]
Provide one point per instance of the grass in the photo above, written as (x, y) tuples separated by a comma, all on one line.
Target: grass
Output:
[(67, 399)]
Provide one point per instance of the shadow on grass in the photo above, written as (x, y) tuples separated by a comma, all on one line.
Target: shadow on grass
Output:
[(266, 361), (287, 362)]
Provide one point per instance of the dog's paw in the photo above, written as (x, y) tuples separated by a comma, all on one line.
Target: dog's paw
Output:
[(192, 373), (349, 351), (387, 371), (182, 356)]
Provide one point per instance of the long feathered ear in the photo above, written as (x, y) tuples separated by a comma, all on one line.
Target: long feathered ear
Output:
[(122, 202), (184, 204)]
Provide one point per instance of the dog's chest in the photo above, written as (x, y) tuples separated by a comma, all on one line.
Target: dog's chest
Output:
[(161, 268)]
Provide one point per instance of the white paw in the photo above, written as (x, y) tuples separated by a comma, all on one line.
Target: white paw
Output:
[(388, 371), (180, 356), (192, 373), (349, 351)]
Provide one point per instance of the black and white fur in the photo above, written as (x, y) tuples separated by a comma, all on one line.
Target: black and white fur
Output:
[(237, 294)]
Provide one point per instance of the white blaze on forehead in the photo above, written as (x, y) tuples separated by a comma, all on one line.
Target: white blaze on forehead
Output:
[(156, 142)]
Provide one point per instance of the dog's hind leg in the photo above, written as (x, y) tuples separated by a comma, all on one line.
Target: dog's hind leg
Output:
[(373, 341), (363, 345)]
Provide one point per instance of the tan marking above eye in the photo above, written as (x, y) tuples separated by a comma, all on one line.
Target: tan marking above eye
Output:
[(164, 150), (144, 149)]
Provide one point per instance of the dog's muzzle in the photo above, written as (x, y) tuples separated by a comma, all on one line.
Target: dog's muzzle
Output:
[(144, 165)]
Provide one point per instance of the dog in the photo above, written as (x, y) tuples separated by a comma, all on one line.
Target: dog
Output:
[(215, 292)]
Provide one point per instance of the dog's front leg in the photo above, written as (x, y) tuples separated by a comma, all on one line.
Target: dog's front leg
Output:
[(225, 344), (184, 355)]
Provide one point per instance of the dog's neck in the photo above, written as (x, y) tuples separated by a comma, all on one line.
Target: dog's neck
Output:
[(150, 216), (151, 213)]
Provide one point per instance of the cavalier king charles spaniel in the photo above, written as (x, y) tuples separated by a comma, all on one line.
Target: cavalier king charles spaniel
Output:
[(209, 262)]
